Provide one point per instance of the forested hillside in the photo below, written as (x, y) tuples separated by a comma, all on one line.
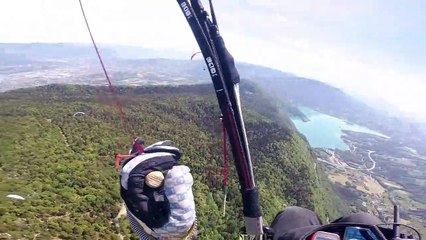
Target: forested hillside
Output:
[(64, 165)]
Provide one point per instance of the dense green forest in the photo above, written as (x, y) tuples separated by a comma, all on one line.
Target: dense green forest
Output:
[(64, 165)]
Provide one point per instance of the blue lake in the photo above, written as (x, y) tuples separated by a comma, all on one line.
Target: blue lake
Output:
[(326, 131)]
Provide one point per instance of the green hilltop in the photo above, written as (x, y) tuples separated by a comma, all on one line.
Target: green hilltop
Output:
[(64, 165)]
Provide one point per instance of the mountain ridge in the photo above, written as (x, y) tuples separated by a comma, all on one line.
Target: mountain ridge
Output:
[(291, 90)]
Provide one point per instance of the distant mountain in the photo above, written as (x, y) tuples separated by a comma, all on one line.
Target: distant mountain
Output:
[(11, 53), (130, 52), (322, 97), (74, 63), (38, 52), (27, 65)]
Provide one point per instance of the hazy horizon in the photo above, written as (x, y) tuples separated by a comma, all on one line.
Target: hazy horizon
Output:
[(371, 49)]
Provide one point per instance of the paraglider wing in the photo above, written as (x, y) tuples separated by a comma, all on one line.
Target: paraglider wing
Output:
[(194, 54), (78, 114), (195, 58), (14, 196)]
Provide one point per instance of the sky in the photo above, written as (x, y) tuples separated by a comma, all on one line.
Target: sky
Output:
[(371, 48)]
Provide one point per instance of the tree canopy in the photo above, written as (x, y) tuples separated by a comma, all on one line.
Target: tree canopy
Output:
[(63, 165)]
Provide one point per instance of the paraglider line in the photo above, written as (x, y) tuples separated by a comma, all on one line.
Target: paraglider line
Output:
[(225, 167), (225, 157), (111, 87)]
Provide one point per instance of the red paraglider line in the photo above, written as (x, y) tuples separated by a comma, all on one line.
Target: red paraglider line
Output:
[(111, 87), (121, 157), (225, 157)]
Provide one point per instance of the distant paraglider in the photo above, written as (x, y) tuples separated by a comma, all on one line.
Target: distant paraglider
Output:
[(194, 58), (77, 114), (194, 54), (14, 196)]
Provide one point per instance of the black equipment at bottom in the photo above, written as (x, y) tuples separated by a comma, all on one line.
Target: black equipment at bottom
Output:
[(352, 231)]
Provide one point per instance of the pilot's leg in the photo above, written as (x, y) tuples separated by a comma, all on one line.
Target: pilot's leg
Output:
[(363, 218), (293, 218)]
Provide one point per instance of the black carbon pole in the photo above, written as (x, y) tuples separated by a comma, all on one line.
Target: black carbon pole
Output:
[(219, 63)]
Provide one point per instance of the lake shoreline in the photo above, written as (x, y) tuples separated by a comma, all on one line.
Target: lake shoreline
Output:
[(325, 131)]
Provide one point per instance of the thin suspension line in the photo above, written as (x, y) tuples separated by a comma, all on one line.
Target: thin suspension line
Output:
[(111, 87)]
